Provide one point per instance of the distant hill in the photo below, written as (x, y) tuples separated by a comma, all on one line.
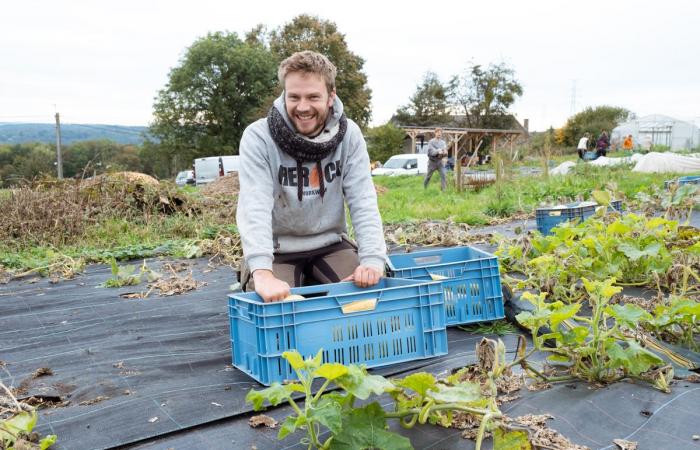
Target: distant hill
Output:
[(18, 133)]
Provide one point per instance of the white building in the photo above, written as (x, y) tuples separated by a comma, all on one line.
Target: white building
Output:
[(658, 129)]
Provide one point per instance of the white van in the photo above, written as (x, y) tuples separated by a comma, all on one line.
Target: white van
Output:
[(210, 168), (404, 164)]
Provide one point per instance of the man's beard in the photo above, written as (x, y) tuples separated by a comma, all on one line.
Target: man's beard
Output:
[(311, 127)]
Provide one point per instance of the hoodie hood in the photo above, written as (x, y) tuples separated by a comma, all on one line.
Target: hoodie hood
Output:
[(329, 129)]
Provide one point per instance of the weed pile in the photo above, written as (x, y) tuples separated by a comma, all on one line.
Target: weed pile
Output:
[(57, 212), (431, 234), (226, 186)]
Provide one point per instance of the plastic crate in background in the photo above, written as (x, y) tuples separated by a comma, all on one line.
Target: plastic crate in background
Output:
[(689, 179), (391, 322), (548, 218), (472, 284)]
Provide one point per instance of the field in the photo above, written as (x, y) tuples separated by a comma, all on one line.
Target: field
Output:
[(601, 314)]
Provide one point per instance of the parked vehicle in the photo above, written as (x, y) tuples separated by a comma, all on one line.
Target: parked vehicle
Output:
[(404, 164), (210, 168), (185, 177)]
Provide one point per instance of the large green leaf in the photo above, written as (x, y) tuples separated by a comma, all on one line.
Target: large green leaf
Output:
[(618, 228), (576, 335), (289, 426), (327, 413), (21, 423), (640, 358), (421, 383), (634, 358), (365, 429), (563, 313), (628, 314), (275, 394), (360, 384), (461, 393)]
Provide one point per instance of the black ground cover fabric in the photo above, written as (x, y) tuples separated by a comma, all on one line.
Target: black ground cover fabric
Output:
[(164, 364)]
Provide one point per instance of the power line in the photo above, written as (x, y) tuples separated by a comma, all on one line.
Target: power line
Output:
[(110, 129)]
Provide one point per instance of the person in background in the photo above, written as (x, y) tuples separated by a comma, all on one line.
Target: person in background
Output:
[(437, 150), (582, 146), (300, 167), (628, 144), (602, 144)]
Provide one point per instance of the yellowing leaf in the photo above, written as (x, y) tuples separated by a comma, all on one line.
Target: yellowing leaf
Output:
[(601, 197), (511, 440), (295, 360), (618, 228), (331, 371), (421, 382)]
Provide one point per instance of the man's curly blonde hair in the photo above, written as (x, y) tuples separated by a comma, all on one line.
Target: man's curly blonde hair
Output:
[(309, 62)]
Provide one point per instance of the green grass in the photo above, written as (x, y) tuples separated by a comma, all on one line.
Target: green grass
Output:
[(406, 200), (116, 238)]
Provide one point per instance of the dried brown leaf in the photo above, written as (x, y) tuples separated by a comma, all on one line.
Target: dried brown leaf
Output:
[(262, 420), (625, 445)]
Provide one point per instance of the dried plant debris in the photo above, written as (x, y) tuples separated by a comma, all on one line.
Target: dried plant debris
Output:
[(647, 304), (174, 285), (5, 276), (625, 445), (507, 398), (541, 436), (98, 399), (432, 233), (693, 378), (469, 423), (538, 386), (42, 371), (262, 420)]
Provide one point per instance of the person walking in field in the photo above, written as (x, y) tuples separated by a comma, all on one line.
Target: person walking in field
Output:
[(437, 150), (299, 167)]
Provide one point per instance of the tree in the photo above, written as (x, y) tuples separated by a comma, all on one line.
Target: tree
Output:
[(212, 95), (428, 106), (384, 141), (593, 120), (483, 96), (306, 32)]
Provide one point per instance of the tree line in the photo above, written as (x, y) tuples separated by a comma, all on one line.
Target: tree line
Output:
[(224, 82)]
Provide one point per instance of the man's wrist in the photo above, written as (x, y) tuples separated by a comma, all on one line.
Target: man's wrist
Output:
[(262, 274)]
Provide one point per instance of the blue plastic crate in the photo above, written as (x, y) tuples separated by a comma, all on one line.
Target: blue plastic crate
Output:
[(615, 205), (391, 322), (590, 156), (548, 218), (689, 179), (472, 286)]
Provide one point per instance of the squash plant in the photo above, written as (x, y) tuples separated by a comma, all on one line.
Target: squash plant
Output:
[(600, 348), (419, 398)]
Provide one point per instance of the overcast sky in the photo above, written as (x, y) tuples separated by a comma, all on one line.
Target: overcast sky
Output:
[(103, 62)]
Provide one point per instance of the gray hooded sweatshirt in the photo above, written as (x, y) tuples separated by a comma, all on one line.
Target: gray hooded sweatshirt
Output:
[(270, 217)]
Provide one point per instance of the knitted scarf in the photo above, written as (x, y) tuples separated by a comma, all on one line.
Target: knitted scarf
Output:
[(303, 150)]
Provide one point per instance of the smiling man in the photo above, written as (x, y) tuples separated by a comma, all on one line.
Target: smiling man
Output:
[(300, 166)]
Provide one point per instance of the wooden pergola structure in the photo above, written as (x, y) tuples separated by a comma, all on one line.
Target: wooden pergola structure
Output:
[(462, 142)]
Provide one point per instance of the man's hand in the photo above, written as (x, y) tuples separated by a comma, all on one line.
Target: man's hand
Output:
[(269, 287), (364, 276)]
